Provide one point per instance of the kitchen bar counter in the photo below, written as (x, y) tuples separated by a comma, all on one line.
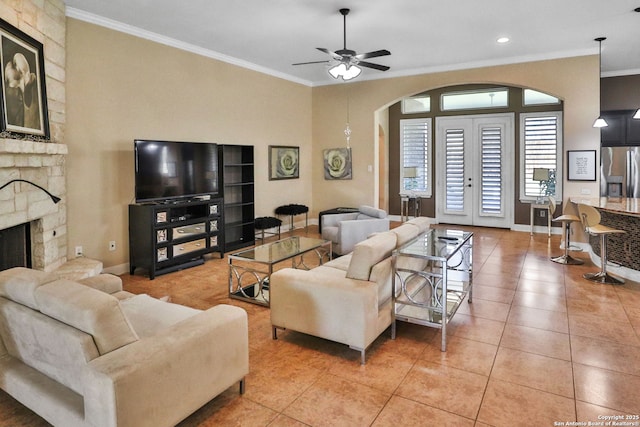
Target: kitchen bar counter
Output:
[(618, 205), (624, 214)]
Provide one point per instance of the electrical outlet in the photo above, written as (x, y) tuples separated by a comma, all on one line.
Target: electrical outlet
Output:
[(78, 251), (112, 245)]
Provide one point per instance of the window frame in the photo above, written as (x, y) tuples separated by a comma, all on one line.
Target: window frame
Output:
[(486, 91), (403, 105), (428, 192), (559, 154)]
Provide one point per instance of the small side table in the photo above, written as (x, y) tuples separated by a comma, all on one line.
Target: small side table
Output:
[(544, 206), (405, 201)]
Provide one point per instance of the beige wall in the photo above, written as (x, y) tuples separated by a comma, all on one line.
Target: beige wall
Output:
[(121, 87), (575, 80)]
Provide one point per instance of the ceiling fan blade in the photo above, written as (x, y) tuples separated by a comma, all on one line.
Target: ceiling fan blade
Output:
[(311, 62), (374, 66), (331, 53), (374, 54)]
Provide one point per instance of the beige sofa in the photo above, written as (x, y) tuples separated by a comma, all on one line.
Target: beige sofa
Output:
[(347, 300), (87, 353)]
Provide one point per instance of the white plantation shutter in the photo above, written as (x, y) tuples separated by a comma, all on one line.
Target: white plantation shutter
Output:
[(540, 145), (415, 152), (491, 175), (454, 167)]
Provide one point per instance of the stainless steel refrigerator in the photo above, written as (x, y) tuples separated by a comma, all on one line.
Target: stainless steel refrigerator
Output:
[(620, 171)]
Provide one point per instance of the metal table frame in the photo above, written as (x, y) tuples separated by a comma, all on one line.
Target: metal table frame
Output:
[(259, 261), (432, 275)]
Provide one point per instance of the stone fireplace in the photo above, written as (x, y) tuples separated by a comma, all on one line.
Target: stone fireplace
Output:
[(43, 164)]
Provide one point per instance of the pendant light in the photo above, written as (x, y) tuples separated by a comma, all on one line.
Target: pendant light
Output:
[(347, 129), (600, 122)]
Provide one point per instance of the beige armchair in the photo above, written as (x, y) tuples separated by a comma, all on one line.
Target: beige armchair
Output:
[(90, 354), (346, 229)]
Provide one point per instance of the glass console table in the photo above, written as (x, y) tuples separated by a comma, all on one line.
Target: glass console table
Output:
[(250, 269), (432, 274)]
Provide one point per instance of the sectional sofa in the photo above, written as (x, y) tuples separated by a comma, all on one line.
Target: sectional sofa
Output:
[(347, 300)]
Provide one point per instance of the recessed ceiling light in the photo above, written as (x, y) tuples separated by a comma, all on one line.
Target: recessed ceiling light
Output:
[(503, 40)]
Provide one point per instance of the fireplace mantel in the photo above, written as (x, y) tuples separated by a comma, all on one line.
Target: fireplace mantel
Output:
[(23, 146)]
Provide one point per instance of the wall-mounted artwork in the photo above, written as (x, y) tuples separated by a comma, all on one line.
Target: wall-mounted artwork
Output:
[(581, 165), (284, 162), (337, 163), (23, 94)]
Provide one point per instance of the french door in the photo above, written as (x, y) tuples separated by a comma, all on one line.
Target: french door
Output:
[(474, 170)]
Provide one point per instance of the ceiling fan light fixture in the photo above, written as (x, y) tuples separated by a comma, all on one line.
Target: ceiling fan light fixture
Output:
[(337, 70), (344, 71), (352, 72)]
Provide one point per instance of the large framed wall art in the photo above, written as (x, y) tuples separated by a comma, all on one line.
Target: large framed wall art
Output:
[(23, 92), (284, 162), (337, 163)]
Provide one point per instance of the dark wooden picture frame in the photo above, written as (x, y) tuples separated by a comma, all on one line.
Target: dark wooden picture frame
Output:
[(284, 162), (581, 165), (23, 93)]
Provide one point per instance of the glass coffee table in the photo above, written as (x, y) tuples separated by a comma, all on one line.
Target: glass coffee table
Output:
[(250, 269)]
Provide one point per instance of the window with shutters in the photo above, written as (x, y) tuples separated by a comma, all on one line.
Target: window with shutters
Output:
[(540, 147), (415, 157)]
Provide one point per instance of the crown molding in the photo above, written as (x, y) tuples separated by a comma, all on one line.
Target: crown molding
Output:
[(168, 41)]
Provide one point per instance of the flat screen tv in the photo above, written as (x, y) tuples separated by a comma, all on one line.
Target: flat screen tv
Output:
[(172, 170)]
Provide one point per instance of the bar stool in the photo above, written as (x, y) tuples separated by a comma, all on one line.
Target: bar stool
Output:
[(591, 223), (566, 220)]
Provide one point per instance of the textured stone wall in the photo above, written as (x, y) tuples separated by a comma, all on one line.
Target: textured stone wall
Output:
[(40, 162), (622, 249)]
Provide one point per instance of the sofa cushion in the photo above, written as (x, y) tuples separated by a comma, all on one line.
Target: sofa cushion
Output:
[(341, 262), (405, 233), (372, 212), (422, 222), (148, 315), (381, 274), (330, 272), (368, 253), (18, 284), (89, 310), (56, 349), (108, 283)]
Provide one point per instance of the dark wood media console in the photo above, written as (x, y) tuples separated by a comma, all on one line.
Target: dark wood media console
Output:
[(166, 237)]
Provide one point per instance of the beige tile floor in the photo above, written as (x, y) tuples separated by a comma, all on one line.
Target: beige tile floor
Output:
[(539, 345)]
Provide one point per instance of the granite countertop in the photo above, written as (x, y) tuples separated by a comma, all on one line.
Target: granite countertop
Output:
[(620, 205)]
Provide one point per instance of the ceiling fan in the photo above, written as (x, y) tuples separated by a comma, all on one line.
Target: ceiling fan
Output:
[(347, 61)]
